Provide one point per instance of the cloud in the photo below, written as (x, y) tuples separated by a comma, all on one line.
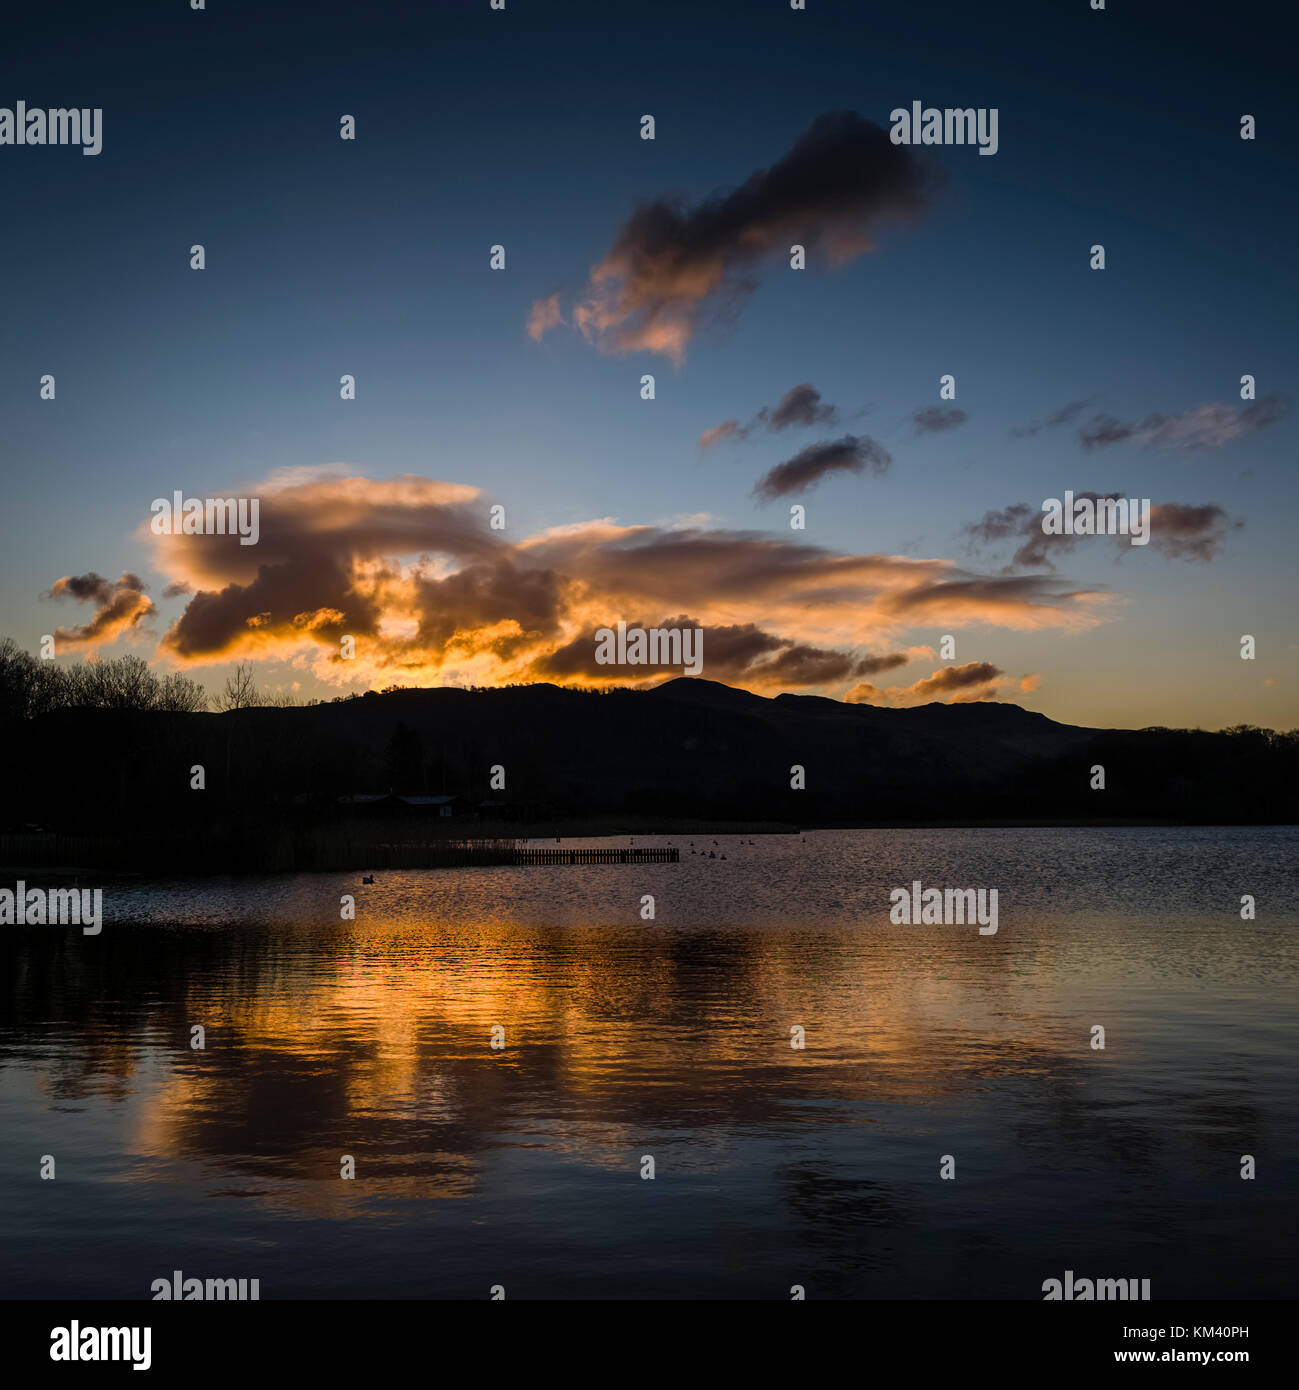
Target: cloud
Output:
[(739, 654), (1204, 427), (1016, 520), (800, 405), (1179, 531), (1022, 602), (956, 680), (1030, 682), (319, 553), (291, 475), (851, 454), (719, 432), (544, 315), (977, 680), (1189, 533), (409, 569), (877, 665), (935, 418), (671, 262), (119, 608), (1067, 412), (1063, 416)]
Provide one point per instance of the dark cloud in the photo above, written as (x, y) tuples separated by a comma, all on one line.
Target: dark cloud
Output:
[(1104, 430), (1063, 416), (1014, 520), (670, 261), (1180, 531), (747, 654), (740, 653), (1203, 427), (800, 405), (935, 418), (976, 680), (119, 607), (1189, 533), (877, 665), (500, 608), (1066, 413), (302, 573), (1267, 410), (84, 587), (1012, 601), (851, 454), (960, 677), (1025, 523)]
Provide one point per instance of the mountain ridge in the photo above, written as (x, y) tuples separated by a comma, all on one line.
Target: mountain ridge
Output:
[(688, 748)]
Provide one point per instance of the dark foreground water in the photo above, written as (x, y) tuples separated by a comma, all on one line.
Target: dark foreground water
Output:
[(670, 1038)]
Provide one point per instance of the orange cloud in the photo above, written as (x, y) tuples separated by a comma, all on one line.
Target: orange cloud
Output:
[(544, 315), (671, 262), (410, 570), (976, 680), (119, 608)]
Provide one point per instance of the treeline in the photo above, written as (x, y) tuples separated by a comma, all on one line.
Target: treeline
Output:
[(30, 687), (110, 748)]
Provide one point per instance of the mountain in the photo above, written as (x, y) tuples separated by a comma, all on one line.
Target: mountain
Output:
[(686, 750)]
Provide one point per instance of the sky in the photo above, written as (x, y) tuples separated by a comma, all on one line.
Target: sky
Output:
[(774, 387)]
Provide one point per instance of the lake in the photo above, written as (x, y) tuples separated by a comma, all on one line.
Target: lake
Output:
[(627, 1039)]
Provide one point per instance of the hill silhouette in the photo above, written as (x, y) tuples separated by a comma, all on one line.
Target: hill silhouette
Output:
[(687, 751)]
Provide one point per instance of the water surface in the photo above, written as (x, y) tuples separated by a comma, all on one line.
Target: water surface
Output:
[(670, 1038)]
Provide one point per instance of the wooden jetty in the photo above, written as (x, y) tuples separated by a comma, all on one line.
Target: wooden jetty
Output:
[(595, 856)]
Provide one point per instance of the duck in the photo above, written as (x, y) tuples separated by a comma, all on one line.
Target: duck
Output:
[(367, 878)]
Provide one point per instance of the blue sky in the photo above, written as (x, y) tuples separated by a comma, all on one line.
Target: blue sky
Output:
[(521, 128)]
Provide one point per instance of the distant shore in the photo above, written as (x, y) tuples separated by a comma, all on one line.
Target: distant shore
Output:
[(260, 849)]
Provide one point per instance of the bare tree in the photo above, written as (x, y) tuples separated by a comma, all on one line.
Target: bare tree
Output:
[(240, 690), (180, 695), (27, 686), (126, 683), (129, 684), (87, 685)]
